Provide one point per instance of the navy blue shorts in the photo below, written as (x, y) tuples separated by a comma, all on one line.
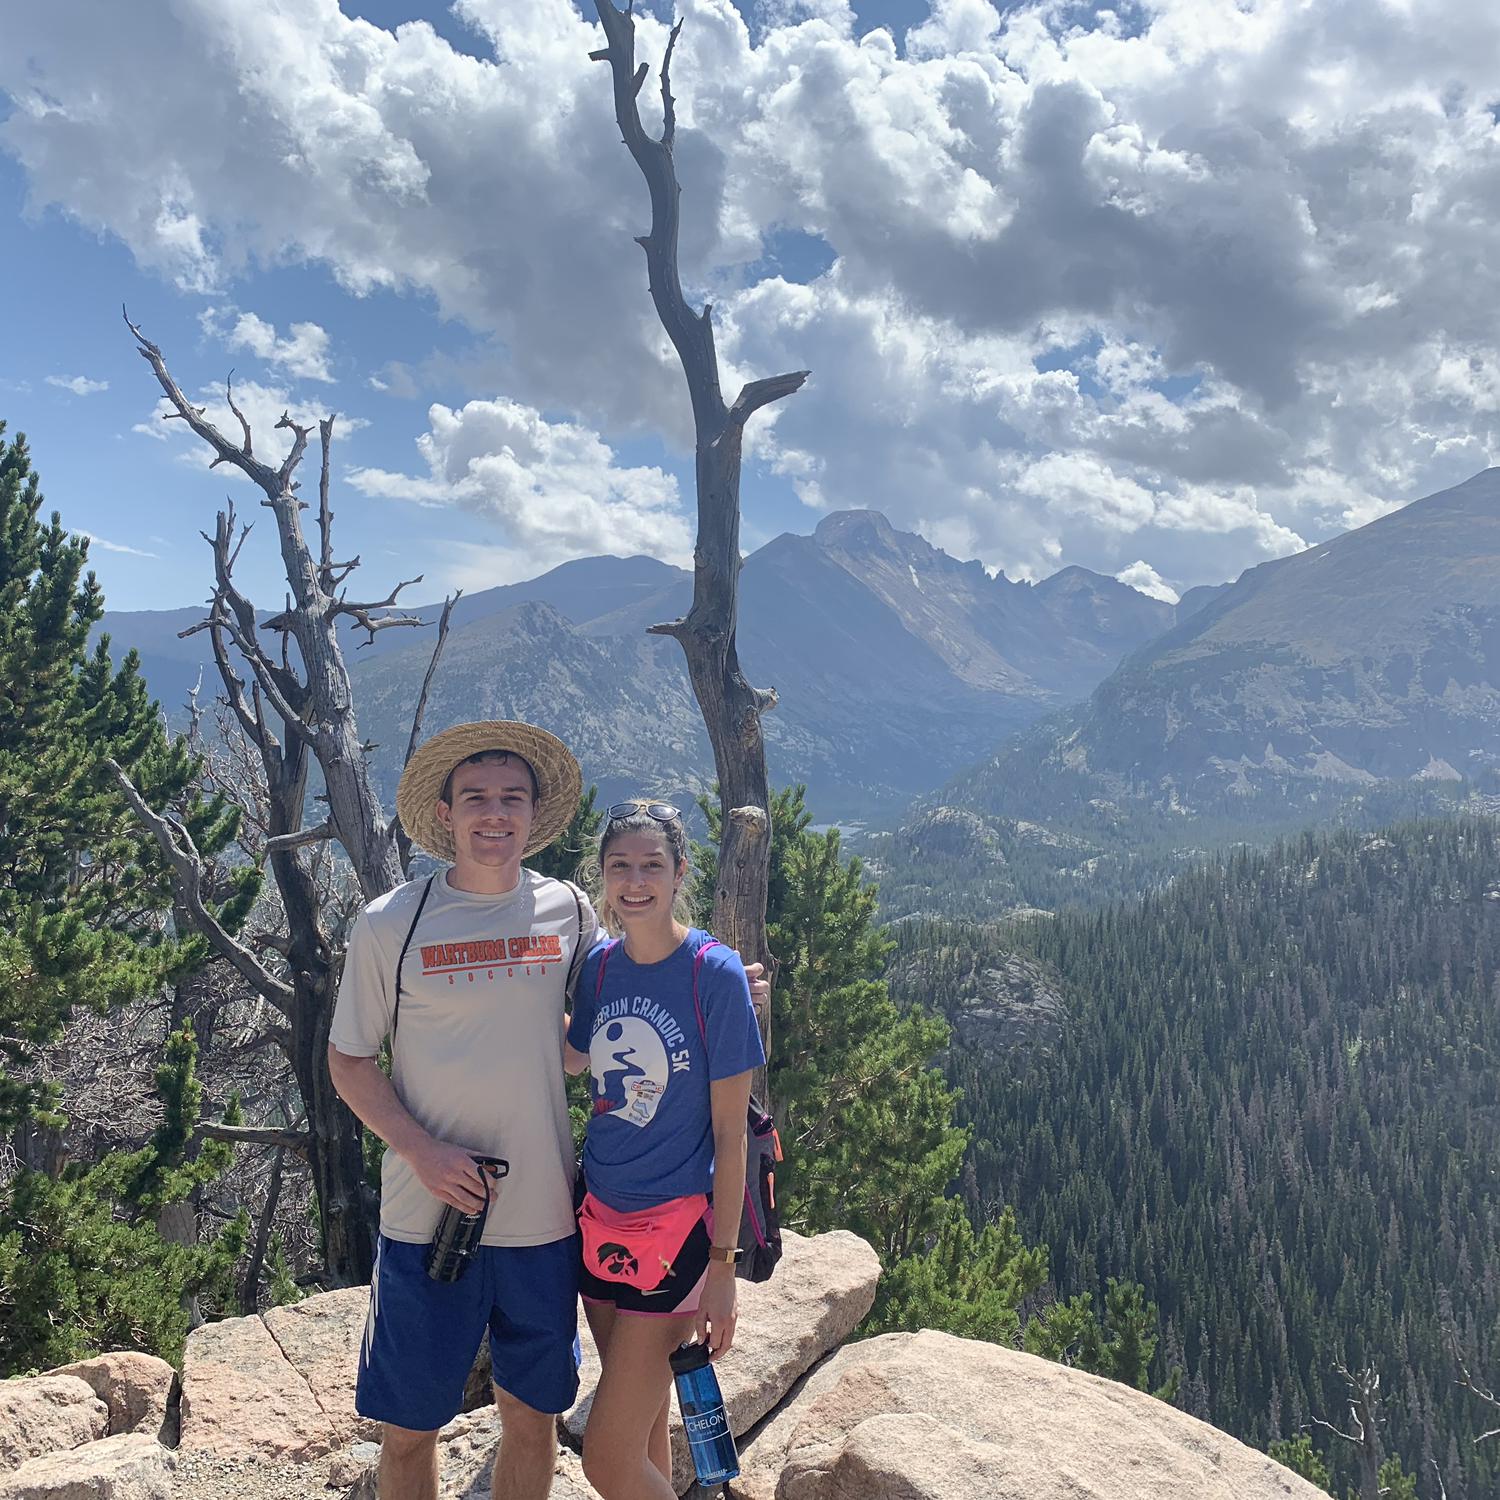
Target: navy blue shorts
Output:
[(421, 1335)]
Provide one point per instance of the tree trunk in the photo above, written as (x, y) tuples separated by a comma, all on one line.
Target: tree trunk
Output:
[(731, 707), (298, 706), (335, 1154)]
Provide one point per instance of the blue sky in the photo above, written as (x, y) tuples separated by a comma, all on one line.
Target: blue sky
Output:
[(145, 503), (1163, 292)]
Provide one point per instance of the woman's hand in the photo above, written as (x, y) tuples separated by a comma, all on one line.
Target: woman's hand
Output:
[(760, 987), (719, 1309)]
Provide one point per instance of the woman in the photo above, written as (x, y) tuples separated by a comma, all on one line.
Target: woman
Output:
[(663, 1018)]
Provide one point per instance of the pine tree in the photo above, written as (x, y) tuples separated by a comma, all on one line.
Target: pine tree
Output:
[(865, 1118), (81, 891), (1299, 1455), (569, 854), (1119, 1346), (965, 1284), (83, 1268)]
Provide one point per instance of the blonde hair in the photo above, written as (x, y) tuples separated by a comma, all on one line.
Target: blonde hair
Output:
[(674, 835)]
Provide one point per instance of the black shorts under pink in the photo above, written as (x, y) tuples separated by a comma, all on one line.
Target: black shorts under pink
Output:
[(676, 1295)]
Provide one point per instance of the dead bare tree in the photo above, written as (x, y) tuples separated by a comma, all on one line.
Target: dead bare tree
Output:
[(731, 707), (294, 707), (1485, 1394), (1364, 1423)]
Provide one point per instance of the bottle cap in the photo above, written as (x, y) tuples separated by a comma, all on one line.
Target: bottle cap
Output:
[(689, 1357)]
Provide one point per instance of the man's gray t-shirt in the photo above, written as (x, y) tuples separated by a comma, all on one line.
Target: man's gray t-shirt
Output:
[(477, 1059)]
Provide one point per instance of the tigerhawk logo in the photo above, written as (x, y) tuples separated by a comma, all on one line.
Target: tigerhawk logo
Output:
[(617, 1260)]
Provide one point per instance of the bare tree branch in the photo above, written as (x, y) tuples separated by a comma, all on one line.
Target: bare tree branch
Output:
[(1467, 1382), (244, 425), (361, 613), (319, 834), (325, 514), (256, 1135), (437, 654), (260, 474), (403, 844), (668, 103), (344, 607), (250, 1281), (289, 464), (177, 846), (759, 393), (1364, 1418), (385, 622)]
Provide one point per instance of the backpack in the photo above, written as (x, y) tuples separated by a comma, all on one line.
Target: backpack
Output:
[(760, 1222)]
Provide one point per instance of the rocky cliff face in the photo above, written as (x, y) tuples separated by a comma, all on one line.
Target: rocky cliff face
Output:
[(1373, 657)]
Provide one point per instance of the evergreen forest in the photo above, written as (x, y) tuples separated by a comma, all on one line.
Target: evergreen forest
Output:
[(1272, 1100)]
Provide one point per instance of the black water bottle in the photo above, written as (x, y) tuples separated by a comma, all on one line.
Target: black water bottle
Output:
[(703, 1415), (458, 1234)]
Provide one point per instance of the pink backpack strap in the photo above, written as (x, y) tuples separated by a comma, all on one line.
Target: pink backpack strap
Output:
[(697, 1004), (604, 959)]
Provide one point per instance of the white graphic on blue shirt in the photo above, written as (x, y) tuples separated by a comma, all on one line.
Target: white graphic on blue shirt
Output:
[(629, 1066), (651, 1137)]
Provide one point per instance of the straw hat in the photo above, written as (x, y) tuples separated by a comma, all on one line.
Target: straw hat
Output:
[(558, 779)]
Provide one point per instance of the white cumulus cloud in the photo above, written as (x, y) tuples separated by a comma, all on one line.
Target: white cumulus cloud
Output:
[(302, 353), (553, 488), (1195, 287), (79, 385), (1140, 575)]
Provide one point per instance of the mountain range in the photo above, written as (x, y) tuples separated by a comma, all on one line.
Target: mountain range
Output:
[(1028, 718), (896, 664), (1373, 657), (1356, 682)]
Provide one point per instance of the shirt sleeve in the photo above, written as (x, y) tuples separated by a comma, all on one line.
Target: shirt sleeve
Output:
[(362, 1012), (590, 935), (734, 1044), (581, 1025)]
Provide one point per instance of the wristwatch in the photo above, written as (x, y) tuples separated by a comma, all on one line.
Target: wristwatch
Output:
[(728, 1255)]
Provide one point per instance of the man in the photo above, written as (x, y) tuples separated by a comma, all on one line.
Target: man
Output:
[(476, 1021)]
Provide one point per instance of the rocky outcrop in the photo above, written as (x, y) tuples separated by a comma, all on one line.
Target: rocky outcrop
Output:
[(320, 1339), (137, 1388), (819, 1295), (243, 1398), (466, 1455), (267, 1414), (128, 1466), (926, 1416), (45, 1414)]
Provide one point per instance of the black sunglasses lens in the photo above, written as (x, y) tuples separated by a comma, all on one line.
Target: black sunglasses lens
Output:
[(663, 812)]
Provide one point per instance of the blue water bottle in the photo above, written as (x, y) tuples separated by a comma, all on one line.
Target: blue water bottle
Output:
[(703, 1415)]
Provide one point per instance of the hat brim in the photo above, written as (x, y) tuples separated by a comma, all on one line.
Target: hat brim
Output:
[(559, 781)]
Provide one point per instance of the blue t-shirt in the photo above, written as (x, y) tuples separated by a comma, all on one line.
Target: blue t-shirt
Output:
[(651, 1136)]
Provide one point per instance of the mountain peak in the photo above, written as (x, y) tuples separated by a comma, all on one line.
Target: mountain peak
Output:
[(856, 528)]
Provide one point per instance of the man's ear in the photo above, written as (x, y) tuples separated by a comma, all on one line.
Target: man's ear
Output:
[(444, 814)]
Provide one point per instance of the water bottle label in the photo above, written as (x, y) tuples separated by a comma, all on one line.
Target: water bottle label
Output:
[(705, 1426)]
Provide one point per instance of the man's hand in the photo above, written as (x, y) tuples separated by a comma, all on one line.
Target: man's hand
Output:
[(760, 987), (718, 1310), (450, 1173)]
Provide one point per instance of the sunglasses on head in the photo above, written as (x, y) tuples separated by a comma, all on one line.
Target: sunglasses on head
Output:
[(662, 812)]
